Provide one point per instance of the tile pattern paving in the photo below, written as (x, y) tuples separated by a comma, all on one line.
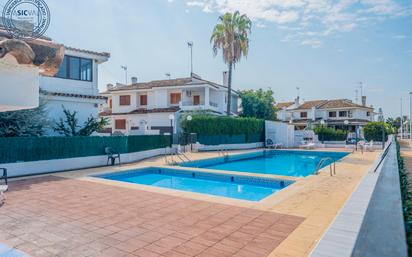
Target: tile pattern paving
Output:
[(53, 216)]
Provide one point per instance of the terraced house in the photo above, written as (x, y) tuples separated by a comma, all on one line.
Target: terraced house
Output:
[(157, 105), (336, 113)]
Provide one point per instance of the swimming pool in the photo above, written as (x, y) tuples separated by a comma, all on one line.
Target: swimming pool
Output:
[(275, 162), (238, 187)]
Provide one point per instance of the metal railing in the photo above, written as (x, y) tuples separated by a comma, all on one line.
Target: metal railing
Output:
[(322, 162)]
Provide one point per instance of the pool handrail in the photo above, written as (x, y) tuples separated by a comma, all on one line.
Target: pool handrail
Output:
[(322, 161)]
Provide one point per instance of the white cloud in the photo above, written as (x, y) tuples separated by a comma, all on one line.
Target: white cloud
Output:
[(303, 19), (399, 36)]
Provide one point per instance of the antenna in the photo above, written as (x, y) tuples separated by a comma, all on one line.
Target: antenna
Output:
[(297, 90), (356, 96), (167, 75), (190, 45), (125, 70)]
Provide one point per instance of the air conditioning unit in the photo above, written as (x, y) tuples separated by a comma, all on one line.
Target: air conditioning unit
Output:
[(188, 93)]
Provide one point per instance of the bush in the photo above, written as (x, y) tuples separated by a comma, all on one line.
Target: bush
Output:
[(373, 131), (223, 125), (330, 134)]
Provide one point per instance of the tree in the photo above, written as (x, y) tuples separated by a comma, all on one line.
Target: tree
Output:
[(24, 123), (69, 126), (373, 131), (258, 104), (231, 35)]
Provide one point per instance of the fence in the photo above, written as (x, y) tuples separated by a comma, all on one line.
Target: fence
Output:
[(229, 139), (22, 149)]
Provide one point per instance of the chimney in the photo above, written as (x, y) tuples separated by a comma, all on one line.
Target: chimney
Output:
[(134, 80), (297, 101), (109, 87), (363, 100), (225, 79)]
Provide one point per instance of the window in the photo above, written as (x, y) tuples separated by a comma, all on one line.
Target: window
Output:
[(143, 99), (120, 124), (196, 99), (175, 98), (332, 114), (124, 100), (304, 114), (76, 68), (368, 114), (343, 113)]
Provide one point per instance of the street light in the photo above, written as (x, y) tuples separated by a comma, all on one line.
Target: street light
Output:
[(322, 122), (346, 122), (171, 118), (190, 45), (410, 116)]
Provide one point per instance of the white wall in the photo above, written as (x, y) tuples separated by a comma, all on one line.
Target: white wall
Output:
[(38, 167), (117, 108), (19, 85), (280, 133), (152, 119)]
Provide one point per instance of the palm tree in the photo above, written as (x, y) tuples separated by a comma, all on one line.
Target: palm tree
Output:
[(231, 36)]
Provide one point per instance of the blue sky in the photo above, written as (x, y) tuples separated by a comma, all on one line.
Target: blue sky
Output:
[(324, 47)]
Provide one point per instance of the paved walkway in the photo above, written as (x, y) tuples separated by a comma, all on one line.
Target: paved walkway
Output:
[(53, 216), (68, 215)]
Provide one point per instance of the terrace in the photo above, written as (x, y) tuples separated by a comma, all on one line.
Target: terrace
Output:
[(74, 214)]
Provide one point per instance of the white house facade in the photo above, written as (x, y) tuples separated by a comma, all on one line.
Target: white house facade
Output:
[(337, 113), (75, 86), (149, 106)]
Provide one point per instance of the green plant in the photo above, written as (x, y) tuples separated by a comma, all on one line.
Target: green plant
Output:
[(258, 104), (330, 134), (223, 125), (231, 35), (406, 199), (373, 131), (24, 123), (70, 127)]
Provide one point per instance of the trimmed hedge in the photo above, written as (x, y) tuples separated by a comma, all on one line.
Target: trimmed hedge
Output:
[(25, 149), (223, 125), (373, 131), (330, 134), (215, 130)]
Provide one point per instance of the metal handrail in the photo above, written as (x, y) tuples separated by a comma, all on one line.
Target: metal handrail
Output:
[(322, 161)]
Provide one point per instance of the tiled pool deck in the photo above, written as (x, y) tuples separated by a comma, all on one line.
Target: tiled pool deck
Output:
[(68, 215)]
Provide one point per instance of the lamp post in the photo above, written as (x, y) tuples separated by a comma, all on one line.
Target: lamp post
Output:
[(171, 118), (190, 45), (346, 122), (401, 119), (189, 118), (322, 122), (410, 116), (383, 135)]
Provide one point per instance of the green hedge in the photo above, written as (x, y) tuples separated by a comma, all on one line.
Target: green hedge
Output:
[(214, 130), (24, 149), (330, 134), (223, 125), (373, 131)]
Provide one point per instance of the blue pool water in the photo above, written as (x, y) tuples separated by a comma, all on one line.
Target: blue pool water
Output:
[(286, 163), (238, 187)]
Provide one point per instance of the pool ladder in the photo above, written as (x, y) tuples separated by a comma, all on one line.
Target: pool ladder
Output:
[(175, 152), (223, 152), (322, 161)]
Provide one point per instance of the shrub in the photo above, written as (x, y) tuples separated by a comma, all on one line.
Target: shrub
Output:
[(330, 134), (223, 125), (373, 131)]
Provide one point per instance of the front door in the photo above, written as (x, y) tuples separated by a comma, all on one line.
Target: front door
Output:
[(196, 99)]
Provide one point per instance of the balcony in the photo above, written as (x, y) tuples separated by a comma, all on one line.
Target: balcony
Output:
[(191, 106)]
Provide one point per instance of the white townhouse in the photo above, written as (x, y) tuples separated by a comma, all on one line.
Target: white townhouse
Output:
[(150, 105), (338, 113), (75, 86)]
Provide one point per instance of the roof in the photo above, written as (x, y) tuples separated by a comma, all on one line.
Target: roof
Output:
[(44, 92), (325, 104), (104, 54), (283, 104), (341, 103), (189, 81)]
